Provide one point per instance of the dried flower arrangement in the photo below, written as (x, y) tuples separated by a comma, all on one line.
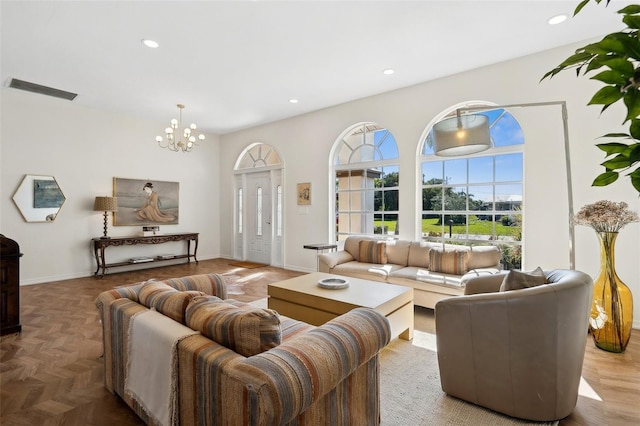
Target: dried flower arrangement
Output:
[(606, 216)]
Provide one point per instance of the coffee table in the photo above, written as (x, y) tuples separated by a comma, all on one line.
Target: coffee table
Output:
[(301, 298)]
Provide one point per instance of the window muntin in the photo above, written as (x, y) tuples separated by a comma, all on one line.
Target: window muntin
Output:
[(477, 199)]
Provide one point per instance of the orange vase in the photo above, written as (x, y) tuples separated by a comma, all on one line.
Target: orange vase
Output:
[(612, 307)]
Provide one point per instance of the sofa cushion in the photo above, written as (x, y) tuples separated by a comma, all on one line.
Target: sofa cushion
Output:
[(418, 255), (448, 260), (371, 271), (352, 246), (246, 330), (166, 299), (518, 280), (483, 257), (398, 252), (372, 251)]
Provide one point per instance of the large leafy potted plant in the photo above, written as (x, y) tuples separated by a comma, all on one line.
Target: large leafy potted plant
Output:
[(617, 58)]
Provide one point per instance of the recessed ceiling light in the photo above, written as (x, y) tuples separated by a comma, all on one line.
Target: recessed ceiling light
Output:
[(150, 43), (293, 101), (558, 19), (388, 71)]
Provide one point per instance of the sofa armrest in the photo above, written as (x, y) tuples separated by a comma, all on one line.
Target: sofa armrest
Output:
[(284, 381), (484, 284), (327, 261)]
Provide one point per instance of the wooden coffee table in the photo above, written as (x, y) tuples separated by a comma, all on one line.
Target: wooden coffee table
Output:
[(301, 298)]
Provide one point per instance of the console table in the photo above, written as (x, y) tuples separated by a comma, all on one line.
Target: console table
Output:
[(100, 244)]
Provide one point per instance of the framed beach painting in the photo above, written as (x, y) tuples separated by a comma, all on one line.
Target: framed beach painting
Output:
[(145, 201)]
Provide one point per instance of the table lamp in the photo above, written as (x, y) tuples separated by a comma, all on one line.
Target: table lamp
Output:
[(105, 204)]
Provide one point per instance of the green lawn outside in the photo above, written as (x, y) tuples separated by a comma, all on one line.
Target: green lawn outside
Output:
[(481, 227)]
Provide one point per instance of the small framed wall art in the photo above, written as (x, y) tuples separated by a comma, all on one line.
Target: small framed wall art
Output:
[(304, 194)]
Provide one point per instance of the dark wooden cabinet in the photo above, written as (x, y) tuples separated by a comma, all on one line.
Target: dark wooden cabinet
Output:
[(9, 286)]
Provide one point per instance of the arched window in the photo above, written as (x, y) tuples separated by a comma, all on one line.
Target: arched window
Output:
[(367, 175), (478, 198)]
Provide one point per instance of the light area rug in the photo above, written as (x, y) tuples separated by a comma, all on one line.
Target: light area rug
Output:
[(410, 392)]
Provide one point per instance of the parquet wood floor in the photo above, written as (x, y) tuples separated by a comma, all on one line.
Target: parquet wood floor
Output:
[(52, 373)]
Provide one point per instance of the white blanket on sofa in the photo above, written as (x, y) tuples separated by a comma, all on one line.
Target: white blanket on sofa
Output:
[(151, 372)]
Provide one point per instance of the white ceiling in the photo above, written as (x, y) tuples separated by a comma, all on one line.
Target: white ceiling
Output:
[(235, 64)]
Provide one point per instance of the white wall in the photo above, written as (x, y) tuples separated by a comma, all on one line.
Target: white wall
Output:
[(305, 143), (85, 149)]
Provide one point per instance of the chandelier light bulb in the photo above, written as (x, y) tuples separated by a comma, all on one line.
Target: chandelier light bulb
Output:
[(201, 137), (158, 139), (174, 123), (193, 126), (187, 131)]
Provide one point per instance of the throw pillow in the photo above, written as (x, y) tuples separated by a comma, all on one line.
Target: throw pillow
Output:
[(448, 260), (247, 331), (517, 280), (166, 299), (372, 251)]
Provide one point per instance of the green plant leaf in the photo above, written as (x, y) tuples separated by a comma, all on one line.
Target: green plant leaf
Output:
[(606, 96), (632, 9), (635, 179), (634, 128), (612, 147), (609, 77), (632, 21), (634, 153), (579, 7), (616, 135), (612, 43), (632, 101), (605, 179), (620, 161), (623, 66)]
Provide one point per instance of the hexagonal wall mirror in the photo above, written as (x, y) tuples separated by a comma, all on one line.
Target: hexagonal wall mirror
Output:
[(39, 198)]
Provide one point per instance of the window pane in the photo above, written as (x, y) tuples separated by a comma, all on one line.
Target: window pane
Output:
[(279, 211), (259, 211), (481, 196), (432, 172), (508, 197), (509, 167), (432, 198), (240, 211), (455, 171), (481, 170), (386, 144), (506, 131)]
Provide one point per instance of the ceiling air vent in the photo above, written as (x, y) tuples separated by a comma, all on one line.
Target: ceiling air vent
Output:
[(43, 90)]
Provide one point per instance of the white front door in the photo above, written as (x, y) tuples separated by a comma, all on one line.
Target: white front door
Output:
[(258, 217)]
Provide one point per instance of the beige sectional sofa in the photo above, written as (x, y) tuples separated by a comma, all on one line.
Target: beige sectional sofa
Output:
[(435, 271)]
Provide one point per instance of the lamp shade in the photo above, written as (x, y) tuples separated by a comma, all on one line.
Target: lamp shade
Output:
[(461, 135), (105, 204)]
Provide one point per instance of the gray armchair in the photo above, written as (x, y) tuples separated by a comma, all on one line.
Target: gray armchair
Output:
[(517, 352)]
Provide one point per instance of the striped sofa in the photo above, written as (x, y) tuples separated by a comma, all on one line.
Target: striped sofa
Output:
[(246, 365)]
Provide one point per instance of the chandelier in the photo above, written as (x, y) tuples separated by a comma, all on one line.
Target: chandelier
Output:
[(176, 143)]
